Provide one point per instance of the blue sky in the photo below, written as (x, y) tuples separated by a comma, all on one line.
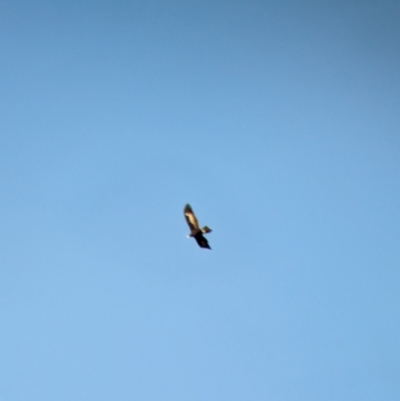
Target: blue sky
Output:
[(279, 123)]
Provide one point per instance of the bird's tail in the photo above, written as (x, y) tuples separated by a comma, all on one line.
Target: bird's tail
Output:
[(206, 230)]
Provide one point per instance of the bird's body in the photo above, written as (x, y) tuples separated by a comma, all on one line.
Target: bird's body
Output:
[(195, 231)]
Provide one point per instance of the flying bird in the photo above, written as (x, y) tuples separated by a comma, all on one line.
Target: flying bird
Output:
[(195, 231)]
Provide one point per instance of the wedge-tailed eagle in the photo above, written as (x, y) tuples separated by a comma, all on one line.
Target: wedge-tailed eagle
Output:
[(195, 231)]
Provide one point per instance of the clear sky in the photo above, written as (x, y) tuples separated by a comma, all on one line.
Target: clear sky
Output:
[(278, 121)]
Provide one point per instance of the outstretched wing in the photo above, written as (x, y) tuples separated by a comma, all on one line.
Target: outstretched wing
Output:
[(190, 218), (202, 241)]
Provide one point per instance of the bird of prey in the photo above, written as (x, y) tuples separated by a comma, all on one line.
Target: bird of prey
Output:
[(195, 231)]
